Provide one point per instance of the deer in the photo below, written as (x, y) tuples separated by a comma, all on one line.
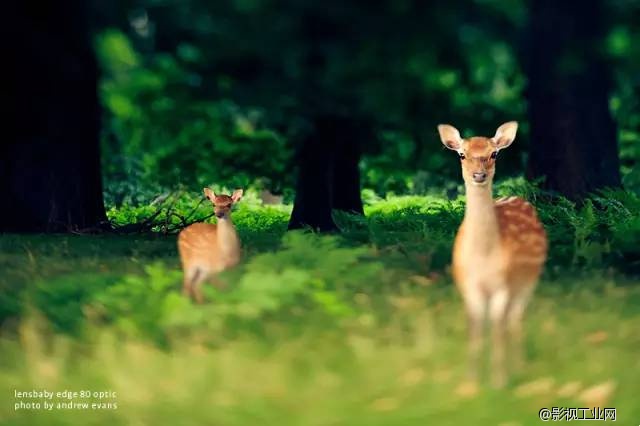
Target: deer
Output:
[(498, 253), (207, 249)]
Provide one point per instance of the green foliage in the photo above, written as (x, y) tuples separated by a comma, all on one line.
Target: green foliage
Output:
[(189, 114), (64, 299), (136, 303), (308, 272), (202, 93), (307, 319), (367, 349), (173, 210), (228, 106), (285, 273), (590, 235), (161, 133)]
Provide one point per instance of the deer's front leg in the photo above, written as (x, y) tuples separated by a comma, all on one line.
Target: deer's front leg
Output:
[(475, 305), (497, 311)]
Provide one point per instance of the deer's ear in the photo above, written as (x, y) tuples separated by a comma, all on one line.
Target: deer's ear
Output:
[(505, 135), (450, 137), (237, 195), (209, 194)]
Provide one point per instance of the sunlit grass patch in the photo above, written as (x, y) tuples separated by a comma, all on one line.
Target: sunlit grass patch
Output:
[(400, 371)]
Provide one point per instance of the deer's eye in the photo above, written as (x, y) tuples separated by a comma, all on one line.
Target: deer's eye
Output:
[(461, 155), (494, 154)]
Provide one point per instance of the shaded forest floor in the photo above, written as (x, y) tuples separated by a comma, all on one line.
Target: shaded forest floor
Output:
[(364, 328)]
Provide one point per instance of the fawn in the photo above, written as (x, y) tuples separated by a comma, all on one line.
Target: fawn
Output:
[(206, 249), (498, 253)]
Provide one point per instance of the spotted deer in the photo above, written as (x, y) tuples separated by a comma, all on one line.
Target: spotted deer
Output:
[(498, 254), (206, 249)]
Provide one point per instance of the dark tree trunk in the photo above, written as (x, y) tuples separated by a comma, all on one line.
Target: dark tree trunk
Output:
[(328, 177), (573, 135), (50, 160)]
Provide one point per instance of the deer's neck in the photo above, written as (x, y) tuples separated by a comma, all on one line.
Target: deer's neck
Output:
[(228, 240), (480, 221)]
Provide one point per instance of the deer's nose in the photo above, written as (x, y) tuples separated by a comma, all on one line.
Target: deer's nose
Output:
[(219, 215), (479, 177)]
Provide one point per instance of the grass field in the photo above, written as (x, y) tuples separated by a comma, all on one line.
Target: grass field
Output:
[(364, 328)]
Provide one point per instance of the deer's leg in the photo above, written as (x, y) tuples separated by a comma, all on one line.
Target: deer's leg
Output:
[(186, 286), (498, 303), (197, 292), (198, 295), (515, 313), (190, 275), (192, 285), (475, 305)]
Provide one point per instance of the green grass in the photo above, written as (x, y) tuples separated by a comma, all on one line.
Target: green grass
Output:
[(359, 329)]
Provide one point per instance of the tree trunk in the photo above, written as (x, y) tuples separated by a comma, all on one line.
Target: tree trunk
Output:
[(328, 177), (50, 159), (573, 135)]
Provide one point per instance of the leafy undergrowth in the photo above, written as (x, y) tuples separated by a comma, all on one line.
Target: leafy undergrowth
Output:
[(364, 328), (396, 359)]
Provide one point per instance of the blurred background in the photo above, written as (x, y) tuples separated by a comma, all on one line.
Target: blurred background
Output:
[(197, 91), (248, 92)]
